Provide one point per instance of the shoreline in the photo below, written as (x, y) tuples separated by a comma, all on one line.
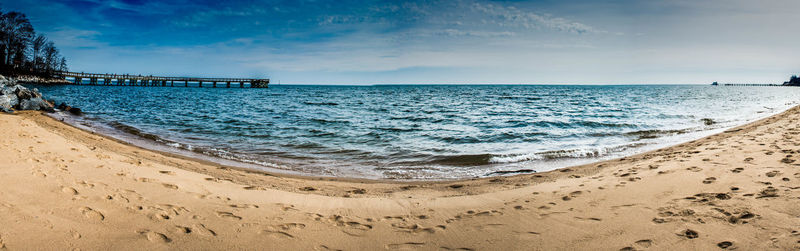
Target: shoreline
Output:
[(267, 171), (163, 148), (66, 187)]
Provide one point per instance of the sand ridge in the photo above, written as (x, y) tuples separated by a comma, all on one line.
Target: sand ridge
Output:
[(64, 188)]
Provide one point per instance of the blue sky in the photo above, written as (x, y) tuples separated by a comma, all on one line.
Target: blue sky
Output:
[(428, 41)]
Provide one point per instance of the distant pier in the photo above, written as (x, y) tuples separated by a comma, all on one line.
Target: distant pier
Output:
[(139, 80), (752, 85), (742, 84)]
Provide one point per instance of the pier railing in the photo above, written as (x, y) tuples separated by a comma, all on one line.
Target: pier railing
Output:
[(140, 80)]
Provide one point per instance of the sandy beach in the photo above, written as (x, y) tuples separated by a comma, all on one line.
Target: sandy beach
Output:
[(64, 188)]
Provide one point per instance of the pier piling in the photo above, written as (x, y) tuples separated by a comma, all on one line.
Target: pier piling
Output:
[(153, 81)]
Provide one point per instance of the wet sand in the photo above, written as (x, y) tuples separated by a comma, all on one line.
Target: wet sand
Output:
[(64, 188)]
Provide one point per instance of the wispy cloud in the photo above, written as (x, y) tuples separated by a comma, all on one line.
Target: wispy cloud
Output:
[(510, 16), (352, 40)]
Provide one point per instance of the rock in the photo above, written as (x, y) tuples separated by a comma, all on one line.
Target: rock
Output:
[(33, 104), (35, 93), (23, 93), (6, 103), (76, 111), (8, 100), (6, 89)]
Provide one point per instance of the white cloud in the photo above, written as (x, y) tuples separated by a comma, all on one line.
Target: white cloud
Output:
[(513, 17)]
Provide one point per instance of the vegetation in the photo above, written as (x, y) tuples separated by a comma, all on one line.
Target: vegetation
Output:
[(22, 51)]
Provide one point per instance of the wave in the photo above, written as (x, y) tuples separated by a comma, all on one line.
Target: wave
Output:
[(653, 133), (208, 151), (581, 124), (462, 160), (135, 131), (562, 154), (321, 103)]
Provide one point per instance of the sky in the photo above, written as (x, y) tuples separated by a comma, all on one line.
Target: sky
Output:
[(428, 41)]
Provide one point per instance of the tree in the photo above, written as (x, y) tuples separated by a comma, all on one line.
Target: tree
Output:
[(63, 66), (50, 57), (17, 33), (37, 44), (22, 51)]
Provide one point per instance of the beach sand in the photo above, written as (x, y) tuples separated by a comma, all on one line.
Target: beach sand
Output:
[(64, 188)]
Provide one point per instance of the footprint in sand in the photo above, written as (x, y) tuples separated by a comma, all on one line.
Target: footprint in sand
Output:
[(689, 234), (768, 192), (281, 231), (348, 226), (170, 186), (244, 206), (772, 173), (277, 234), (75, 234), (40, 174), (228, 215), (308, 189), (69, 190), (90, 213), (412, 228), (405, 246), (571, 195), (290, 226), (724, 244), (325, 248), (490, 227), (709, 180), (183, 230), (167, 172), (155, 236), (694, 169), (202, 230), (643, 243), (456, 249)]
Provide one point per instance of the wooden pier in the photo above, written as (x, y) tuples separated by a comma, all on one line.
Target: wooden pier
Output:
[(139, 80), (751, 85)]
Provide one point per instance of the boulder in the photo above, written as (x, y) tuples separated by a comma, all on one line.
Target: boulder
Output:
[(5, 89), (6, 103), (76, 111), (23, 93), (33, 104), (9, 100), (35, 93)]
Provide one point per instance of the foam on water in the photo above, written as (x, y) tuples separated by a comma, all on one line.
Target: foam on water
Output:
[(417, 132)]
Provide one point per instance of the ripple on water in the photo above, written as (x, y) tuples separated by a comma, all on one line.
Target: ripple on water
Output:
[(429, 131)]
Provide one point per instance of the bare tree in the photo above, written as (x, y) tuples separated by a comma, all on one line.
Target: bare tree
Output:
[(37, 44), (22, 50), (63, 66), (17, 34), (50, 56)]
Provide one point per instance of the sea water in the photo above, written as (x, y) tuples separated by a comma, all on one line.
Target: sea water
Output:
[(418, 131)]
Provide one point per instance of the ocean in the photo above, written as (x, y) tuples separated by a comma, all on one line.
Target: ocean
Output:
[(416, 132)]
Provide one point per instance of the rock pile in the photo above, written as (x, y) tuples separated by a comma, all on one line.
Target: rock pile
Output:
[(39, 80), (17, 97)]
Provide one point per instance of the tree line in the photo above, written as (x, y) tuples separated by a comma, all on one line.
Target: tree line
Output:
[(23, 51)]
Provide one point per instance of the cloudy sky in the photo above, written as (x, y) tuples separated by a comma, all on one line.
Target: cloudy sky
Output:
[(429, 41)]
